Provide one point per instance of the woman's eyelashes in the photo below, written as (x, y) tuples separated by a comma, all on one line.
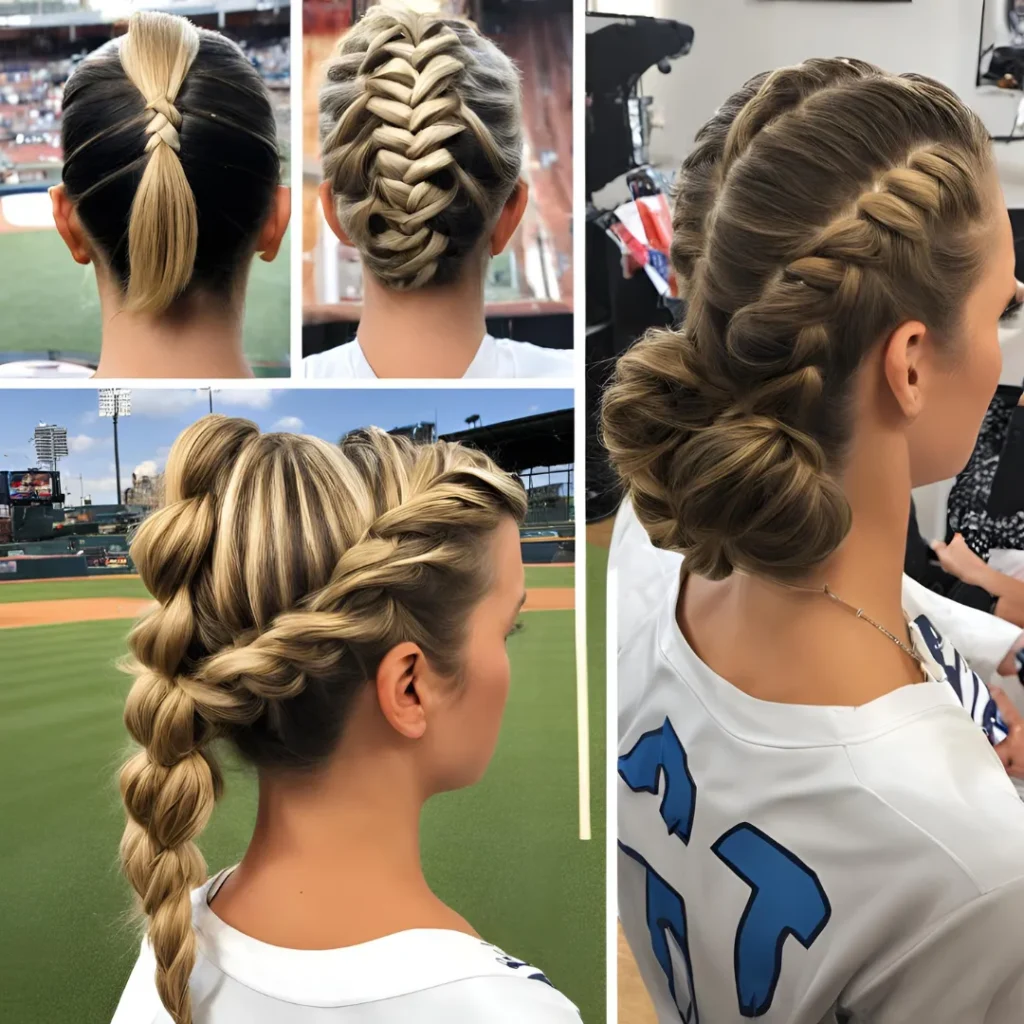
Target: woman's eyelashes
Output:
[(1012, 310)]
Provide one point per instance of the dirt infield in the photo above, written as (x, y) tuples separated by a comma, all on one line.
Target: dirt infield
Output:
[(87, 609), (94, 609)]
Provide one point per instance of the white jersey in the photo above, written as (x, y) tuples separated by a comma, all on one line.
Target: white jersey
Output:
[(496, 359), (431, 976), (812, 865)]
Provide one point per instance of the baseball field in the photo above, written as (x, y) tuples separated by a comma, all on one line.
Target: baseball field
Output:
[(53, 306), (506, 853)]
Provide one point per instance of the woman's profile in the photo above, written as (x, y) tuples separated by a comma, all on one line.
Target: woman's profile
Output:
[(170, 187), (357, 662), (422, 142), (811, 799)]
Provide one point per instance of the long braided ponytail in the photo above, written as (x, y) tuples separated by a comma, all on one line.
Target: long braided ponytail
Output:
[(823, 206), (263, 636), (421, 131)]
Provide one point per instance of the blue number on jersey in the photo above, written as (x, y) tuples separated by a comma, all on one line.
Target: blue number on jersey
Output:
[(666, 913), (786, 896)]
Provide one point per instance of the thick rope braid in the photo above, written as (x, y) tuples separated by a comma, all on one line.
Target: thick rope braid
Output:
[(169, 788), (387, 157), (370, 602)]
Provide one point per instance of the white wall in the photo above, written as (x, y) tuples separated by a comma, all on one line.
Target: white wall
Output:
[(736, 39)]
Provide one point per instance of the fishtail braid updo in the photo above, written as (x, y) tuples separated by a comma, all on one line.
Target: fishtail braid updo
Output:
[(421, 132), (171, 160), (263, 635), (822, 206)]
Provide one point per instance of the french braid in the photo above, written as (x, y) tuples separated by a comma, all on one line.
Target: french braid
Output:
[(817, 221), (263, 636), (420, 123)]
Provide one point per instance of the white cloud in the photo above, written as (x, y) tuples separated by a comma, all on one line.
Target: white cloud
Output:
[(147, 468), (82, 443), (533, 408), (289, 423), (246, 398), (101, 489)]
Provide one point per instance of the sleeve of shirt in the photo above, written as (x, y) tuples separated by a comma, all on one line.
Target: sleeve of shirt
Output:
[(982, 639), (969, 969)]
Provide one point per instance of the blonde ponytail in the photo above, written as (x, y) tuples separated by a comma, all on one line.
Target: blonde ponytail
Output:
[(163, 228)]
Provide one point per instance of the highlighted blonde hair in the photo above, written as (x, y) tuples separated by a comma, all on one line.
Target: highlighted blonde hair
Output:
[(170, 158), (421, 132), (821, 207), (264, 633)]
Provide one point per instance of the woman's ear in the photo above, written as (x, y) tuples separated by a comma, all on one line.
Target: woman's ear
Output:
[(331, 214), (69, 227), (905, 360), (511, 217), (401, 688), (276, 224)]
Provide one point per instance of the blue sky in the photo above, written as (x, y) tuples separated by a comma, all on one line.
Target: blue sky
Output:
[(159, 415)]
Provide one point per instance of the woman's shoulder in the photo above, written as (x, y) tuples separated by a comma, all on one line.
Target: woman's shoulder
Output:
[(523, 359)]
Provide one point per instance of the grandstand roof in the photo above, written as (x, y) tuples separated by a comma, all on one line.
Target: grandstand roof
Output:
[(527, 443)]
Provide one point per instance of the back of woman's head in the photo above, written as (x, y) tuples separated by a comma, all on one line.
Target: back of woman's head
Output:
[(285, 569), (421, 131), (170, 159), (821, 207)]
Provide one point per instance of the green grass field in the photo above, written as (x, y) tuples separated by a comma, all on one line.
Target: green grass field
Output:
[(51, 303), (505, 853)]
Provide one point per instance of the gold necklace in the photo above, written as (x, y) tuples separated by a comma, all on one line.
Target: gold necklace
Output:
[(859, 613)]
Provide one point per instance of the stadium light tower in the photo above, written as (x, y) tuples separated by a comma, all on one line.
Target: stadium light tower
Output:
[(114, 403), (51, 444)]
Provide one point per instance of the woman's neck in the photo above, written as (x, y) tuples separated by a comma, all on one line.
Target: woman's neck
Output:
[(333, 861), (207, 345), (791, 646), (432, 332)]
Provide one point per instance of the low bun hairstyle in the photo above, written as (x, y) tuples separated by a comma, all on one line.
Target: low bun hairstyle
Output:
[(263, 634), (822, 206), (171, 159), (422, 139)]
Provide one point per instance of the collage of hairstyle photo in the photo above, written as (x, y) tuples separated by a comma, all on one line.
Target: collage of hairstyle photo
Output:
[(511, 511)]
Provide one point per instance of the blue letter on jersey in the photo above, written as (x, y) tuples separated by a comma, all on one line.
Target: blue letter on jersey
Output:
[(786, 899), (654, 754), (666, 913)]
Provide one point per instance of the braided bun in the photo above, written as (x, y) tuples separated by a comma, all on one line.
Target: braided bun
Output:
[(825, 205), (263, 636), (420, 124)]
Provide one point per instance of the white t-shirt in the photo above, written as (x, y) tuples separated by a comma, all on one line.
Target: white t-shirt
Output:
[(496, 359), (808, 865), (430, 976)]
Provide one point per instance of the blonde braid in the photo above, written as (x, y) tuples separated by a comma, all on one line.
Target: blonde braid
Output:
[(399, 96), (170, 786), (163, 229)]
